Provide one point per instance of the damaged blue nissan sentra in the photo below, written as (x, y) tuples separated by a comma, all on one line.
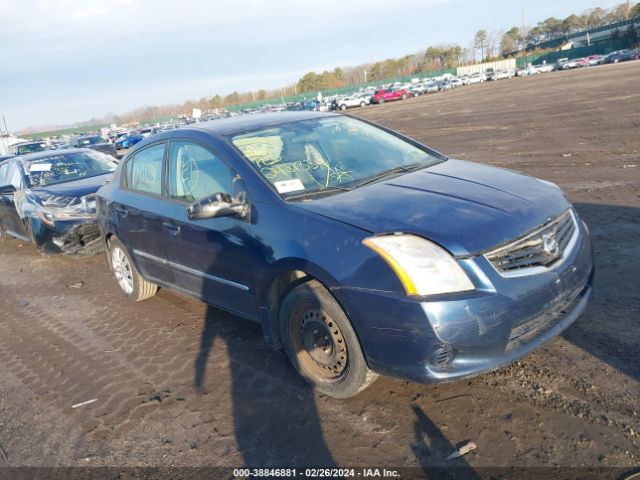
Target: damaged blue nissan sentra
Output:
[(358, 250)]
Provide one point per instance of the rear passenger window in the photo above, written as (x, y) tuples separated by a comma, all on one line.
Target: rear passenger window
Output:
[(144, 170), (195, 173)]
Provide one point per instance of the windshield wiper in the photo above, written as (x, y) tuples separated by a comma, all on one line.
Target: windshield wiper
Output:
[(393, 171), (317, 193)]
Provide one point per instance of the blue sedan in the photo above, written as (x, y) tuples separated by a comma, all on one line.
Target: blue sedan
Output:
[(128, 141), (359, 251)]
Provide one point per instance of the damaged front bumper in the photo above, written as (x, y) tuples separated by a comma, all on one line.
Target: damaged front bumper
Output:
[(73, 237), (60, 224)]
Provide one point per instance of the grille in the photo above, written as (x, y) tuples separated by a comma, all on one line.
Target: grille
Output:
[(540, 248)]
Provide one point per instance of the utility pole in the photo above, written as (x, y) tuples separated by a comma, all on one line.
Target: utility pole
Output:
[(522, 32), (6, 129), (365, 76)]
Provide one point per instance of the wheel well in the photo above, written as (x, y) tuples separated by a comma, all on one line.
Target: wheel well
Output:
[(107, 242), (279, 288)]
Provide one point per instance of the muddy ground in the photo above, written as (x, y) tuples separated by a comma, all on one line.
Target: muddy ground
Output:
[(67, 336)]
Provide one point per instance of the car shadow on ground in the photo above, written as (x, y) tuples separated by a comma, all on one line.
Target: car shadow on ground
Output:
[(428, 447), (608, 327), (268, 431)]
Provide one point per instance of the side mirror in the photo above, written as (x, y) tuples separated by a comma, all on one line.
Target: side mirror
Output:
[(7, 190), (218, 205)]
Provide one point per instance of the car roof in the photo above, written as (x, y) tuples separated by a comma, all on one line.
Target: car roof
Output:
[(32, 157), (28, 142), (228, 126)]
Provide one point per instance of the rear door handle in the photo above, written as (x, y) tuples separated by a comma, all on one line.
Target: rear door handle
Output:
[(173, 229), (123, 212)]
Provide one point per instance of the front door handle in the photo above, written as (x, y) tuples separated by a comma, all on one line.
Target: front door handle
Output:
[(171, 227), (123, 212)]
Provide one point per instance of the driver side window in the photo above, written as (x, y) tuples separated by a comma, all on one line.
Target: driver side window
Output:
[(196, 173)]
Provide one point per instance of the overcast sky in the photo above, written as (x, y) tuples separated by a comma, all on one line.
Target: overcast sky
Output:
[(70, 60)]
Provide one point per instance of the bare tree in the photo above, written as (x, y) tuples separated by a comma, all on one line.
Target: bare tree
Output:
[(480, 41)]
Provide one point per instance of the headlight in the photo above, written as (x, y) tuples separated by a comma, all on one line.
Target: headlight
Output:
[(423, 267), (51, 208)]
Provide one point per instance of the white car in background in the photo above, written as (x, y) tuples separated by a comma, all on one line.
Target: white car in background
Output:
[(476, 78), (544, 68), (352, 101), (418, 89), (431, 87)]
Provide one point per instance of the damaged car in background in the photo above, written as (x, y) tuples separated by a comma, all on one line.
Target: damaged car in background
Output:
[(48, 198)]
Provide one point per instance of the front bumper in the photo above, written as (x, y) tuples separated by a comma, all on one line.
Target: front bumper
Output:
[(451, 337), (73, 237)]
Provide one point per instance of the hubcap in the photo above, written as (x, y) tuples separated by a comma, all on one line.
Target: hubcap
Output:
[(122, 270), (321, 347)]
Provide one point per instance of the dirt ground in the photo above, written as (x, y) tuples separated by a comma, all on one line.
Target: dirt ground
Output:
[(67, 336)]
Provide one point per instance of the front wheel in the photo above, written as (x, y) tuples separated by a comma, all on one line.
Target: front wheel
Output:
[(321, 343), (343, 107), (134, 286), (362, 104), (404, 96), (381, 101)]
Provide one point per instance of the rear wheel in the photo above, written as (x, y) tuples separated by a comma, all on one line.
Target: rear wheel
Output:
[(362, 104), (343, 107), (134, 286), (404, 96), (381, 100), (321, 343)]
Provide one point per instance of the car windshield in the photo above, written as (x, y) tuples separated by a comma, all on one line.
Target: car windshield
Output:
[(66, 167), (90, 140), (31, 148), (326, 155)]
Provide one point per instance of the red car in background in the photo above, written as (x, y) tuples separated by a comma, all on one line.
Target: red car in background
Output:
[(389, 94)]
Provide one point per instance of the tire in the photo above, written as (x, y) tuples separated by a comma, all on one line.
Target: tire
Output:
[(362, 104), (343, 107), (321, 343), (132, 284), (381, 100), (404, 96)]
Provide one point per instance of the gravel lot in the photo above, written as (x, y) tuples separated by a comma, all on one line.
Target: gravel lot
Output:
[(67, 336)]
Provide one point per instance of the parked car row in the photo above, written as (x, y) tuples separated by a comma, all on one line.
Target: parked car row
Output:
[(291, 220), (92, 141)]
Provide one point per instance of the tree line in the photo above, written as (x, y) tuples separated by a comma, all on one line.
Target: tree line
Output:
[(518, 38), (484, 46)]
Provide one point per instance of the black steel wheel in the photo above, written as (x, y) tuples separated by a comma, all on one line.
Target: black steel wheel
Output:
[(321, 343)]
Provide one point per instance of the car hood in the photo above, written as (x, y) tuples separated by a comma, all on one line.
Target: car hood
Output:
[(76, 188), (463, 206)]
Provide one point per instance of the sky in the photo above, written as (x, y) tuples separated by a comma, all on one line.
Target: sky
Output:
[(63, 61)]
